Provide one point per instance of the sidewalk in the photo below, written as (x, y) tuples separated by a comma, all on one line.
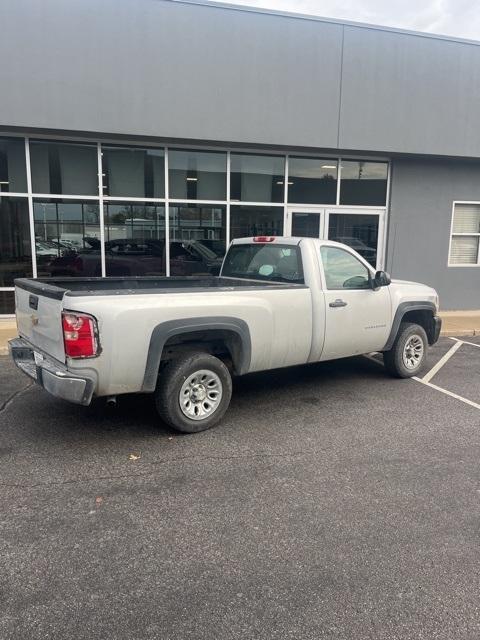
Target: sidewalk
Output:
[(455, 323), (8, 329), (460, 323)]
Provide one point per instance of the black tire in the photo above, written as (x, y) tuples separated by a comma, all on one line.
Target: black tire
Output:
[(394, 359), (169, 387)]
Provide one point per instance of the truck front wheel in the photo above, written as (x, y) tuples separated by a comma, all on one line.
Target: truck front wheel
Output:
[(409, 351), (193, 392)]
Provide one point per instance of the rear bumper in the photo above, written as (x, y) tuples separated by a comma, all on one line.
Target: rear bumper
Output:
[(53, 377), (436, 328)]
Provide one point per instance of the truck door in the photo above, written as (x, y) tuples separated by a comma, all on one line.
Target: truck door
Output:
[(358, 319)]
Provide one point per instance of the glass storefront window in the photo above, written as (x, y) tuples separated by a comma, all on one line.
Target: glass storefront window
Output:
[(197, 239), (7, 302), (197, 175), (134, 239), (305, 224), (13, 172), (15, 245), (257, 178), (311, 180), (67, 237), (363, 183), (248, 221), (358, 231), (64, 168), (130, 172)]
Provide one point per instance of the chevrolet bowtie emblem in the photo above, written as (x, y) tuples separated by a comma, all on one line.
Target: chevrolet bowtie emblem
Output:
[(34, 320)]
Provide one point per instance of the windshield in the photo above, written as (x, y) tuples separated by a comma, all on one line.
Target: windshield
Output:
[(270, 262)]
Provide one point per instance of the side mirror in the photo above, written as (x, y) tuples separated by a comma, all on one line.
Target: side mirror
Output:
[(381, 279)]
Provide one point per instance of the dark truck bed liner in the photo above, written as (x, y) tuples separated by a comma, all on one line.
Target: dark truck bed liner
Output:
[(57, 287)]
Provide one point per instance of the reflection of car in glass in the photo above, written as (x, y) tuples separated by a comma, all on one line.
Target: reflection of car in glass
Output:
[(217, 246), (369, 253), (196, 256), (137, 257), (46, 249), (74, 241)]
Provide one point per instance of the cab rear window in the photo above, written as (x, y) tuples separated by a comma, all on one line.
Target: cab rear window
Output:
[(272, 263)]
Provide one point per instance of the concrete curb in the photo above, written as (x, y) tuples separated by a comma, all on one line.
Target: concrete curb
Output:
[(460, 332)]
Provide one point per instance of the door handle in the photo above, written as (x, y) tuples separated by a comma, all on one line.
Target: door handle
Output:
[(338, 303)]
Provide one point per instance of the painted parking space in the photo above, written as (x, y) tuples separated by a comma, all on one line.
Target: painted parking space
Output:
[(453, 369), (460, 374), (321, 481)]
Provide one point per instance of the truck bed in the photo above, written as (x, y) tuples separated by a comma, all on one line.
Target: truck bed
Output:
[(56, 288)]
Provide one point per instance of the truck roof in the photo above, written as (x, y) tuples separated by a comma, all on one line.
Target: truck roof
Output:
[(265, 238), (295, 241)]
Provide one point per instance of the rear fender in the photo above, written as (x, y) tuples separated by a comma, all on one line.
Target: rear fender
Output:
[(166, 330)]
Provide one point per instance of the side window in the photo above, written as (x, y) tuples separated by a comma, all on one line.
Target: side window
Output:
[(343, 270)]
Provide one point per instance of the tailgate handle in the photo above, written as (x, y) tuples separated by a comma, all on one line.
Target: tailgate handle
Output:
[(33, 302), (338, 303)]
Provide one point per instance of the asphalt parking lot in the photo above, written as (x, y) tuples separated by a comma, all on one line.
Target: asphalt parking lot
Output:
[(333, 502)]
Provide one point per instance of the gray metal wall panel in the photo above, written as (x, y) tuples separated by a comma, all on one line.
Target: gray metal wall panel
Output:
[(422, 195), (409, 94), (149, 67)]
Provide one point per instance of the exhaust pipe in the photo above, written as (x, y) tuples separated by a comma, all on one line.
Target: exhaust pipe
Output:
[(111, 401)]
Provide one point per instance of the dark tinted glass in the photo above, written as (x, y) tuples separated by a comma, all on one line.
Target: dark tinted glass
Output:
[(363, 183), (270, 261), (15, 246), (257, 178), (196, 175), (13, 174), (305, 225), (197, 239), (311, 180), (7, 302), (67, 238), (134, 239), (255, 221), (68, 168), (133, 173), (357, 231)]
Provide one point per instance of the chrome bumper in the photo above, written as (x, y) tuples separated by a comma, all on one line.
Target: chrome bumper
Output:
[(53, 377)]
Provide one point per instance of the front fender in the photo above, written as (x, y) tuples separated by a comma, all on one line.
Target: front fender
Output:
[(404, 308)]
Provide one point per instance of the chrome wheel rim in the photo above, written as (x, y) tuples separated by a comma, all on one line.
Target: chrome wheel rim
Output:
[(413, 352), (200, 395)]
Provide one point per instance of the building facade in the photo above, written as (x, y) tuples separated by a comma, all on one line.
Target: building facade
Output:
[(139, 137)]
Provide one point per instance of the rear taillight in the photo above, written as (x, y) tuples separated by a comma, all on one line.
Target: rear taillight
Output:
[(264, 239), (80, 335)]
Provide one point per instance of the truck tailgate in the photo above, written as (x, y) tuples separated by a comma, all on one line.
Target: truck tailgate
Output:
[(39, 321)]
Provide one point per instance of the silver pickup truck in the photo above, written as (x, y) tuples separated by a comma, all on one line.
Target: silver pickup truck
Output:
[(277, 302)]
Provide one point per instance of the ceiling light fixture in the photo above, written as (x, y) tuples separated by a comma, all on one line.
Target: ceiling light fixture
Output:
[(329, 166), (192, 179)]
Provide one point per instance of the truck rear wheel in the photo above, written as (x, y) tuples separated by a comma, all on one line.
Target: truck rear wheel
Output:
[(193, 392), (409, 351)]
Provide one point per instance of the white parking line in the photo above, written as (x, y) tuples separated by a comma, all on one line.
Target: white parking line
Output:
[(434, 370), (426, 379), (472, 344), (447, 392)]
